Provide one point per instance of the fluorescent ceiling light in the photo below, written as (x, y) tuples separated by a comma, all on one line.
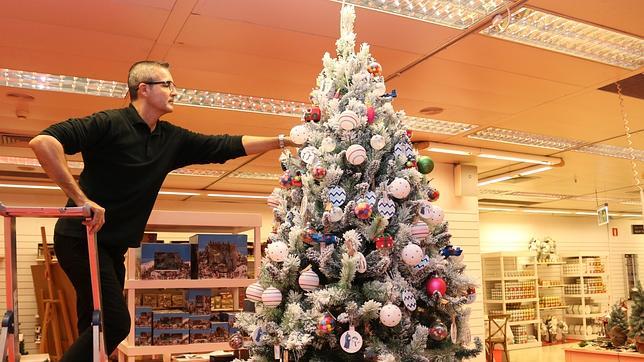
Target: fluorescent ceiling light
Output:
[(494, 180), (633, 215), (536, 170), (512, 174), (459, 14), (496, 209), (198, 98), (585, 213), (536, 211), (521, 138), (511, 158), (239, 196), (555, 33), (488, 153), (19, 186)]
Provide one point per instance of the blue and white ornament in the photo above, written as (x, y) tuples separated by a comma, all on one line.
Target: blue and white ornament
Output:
[(337, 195), (386, 207), (370, 197), (409, 300), (403, 149)]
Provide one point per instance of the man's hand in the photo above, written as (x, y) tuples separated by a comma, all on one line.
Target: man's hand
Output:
[(98, 217)]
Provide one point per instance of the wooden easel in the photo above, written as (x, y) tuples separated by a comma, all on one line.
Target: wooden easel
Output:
[(56, 317)]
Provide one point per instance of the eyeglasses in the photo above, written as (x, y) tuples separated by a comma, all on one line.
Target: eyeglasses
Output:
[(164, 83)]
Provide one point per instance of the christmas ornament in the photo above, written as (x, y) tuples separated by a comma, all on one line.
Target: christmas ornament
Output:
[(411, 162), (285, 179), (389, 96), (453, 330), (390, 315), (361, 262), (403, 149), (313, 114), (471, 295), (296, 181), (412, 254), (371, 114), (408, 133), (309, 154), (271, 297), (277, 251), (309, 280), (425, 164), (377, 142), (256, 336), (375, 69), (319, 172), (335, 214), (348, 120), (435, 286), (399, 188), (438, 331), (419, 231), (386, 207), (451, 251), (362, 210), (435, 216), (254, 292), (433, 195), (337, 195), (384, 241), (309, 235), (299, 134), (273, 200), (236, 341), (351, 341), (422, 264), (424, 209), (409, 300), (370, 197), (326, 324), (356, 154), (327, 145)]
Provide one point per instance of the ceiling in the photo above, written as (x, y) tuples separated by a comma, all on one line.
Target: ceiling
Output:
[(274, 49)]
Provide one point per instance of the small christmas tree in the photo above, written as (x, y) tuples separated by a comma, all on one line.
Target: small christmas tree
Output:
[(636, 320), (359, 266), (618, 317)]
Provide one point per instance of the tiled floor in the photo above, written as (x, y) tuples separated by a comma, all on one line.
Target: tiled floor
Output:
[(554, 353)]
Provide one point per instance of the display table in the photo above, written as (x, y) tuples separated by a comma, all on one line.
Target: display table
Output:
[(594, 354)]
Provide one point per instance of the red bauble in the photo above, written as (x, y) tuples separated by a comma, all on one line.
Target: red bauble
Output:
[(313, 114), (434, 195), (319, 172), (436, 286), (375, 69)]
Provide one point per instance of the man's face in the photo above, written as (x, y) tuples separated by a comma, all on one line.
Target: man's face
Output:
[(161, 91)]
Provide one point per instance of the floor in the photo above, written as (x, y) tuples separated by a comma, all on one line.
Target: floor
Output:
[(553, 353)]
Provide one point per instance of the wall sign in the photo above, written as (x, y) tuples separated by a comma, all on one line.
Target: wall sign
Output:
[(637, 229)]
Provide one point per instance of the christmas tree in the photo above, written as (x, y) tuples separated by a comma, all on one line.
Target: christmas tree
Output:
[(617, 317), (359, 264), (636, 320)]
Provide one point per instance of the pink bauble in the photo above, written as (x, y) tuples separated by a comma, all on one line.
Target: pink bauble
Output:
[(271, 297), (254, 292), (356, 154), (309, 281), (371, 115), (419, 231), (363, 210), (436, 286), (348, 120)]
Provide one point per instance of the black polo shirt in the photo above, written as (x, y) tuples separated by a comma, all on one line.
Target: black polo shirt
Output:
[(125, 165)]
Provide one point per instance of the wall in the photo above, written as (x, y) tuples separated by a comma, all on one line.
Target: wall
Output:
[(461, 212), (511, 232)]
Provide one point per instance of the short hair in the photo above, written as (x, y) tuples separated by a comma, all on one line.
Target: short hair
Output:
[(141, 72)]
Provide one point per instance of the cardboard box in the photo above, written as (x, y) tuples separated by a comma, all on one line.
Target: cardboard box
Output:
[(166, 337), (200, 336), (199, 321), (142, 336), (219, 332), (170, 319), (143, 317), (165, 261), (198, 301), (149, 300), (221, 255)]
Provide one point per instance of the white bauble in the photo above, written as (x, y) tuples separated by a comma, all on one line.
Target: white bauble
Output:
[(308, 280), (299, 134), (327, 145), (335, 214), (254, 292), (309, 155), (390, 315), (348, 120), (412, 254), (399, 188), (356, 154), (277, 251), (435, 216), (419, 231), (271, 297), (377, 142)]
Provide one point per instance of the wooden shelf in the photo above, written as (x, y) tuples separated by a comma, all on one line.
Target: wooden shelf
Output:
[(589, 315), (511, 301), (497, 279), (586, 295), (588, 275), (552, 263), (188, 283), (176, 221), (531, 321), (549, 308), (551, 286)]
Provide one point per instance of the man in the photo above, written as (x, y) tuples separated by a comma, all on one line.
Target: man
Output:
[(127, 154)]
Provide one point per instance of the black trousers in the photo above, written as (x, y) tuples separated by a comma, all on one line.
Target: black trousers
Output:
[(73, 258)]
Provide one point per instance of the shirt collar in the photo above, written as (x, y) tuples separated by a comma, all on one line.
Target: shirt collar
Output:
[(135, 118)]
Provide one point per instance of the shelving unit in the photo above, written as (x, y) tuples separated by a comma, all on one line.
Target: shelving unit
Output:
[(510, 287), (585, 281), (184, 221), (551, 299)]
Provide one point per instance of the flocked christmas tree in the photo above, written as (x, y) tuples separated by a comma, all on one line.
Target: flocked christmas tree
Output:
[(636, 319), (359, 264)]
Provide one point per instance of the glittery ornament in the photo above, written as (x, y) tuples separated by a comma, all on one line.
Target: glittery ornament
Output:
[(438, 331), (362, 210), (436, 286), (309, 280), (319, 172), (254, 292), (326, 324), (285, 179), (236, 341), (377, 142), (390, 315)]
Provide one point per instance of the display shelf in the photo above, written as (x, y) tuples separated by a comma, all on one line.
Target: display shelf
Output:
[(498, 279), (509, 301), (551, 263), (530, 321), (586, 295), (551, 308), (586, 275), (193, 222), (589, 315), (550, 286)]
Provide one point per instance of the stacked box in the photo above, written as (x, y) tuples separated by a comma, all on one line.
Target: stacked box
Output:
[(149, 300), (165, 337), (198, 301), (165, 261), (221, 255), (199, 321), (200, 335), (143, 317), (143, 336), (219, 332), (169, 319)]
